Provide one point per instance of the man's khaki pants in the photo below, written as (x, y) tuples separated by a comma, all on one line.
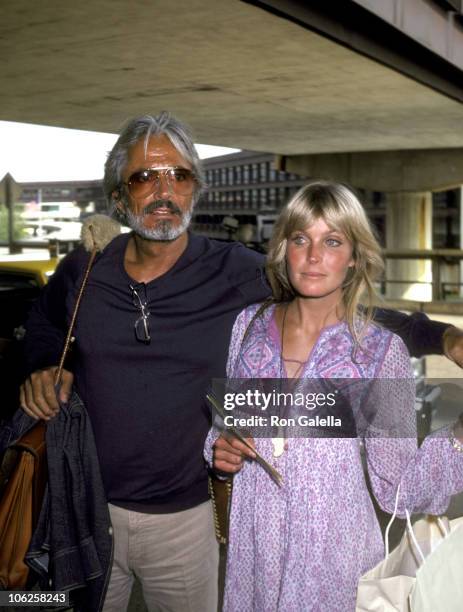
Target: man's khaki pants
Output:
[(175, 556)]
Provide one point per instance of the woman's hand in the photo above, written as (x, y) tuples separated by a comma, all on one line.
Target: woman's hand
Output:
[(229, 453)]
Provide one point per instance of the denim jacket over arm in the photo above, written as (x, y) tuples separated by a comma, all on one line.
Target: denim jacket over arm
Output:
[(71, 548)]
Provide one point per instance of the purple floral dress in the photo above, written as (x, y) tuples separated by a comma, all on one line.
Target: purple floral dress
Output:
[(303, 547)]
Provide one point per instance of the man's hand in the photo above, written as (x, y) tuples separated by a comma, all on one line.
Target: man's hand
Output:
[(229, 453), (37, 393), (453, 344)]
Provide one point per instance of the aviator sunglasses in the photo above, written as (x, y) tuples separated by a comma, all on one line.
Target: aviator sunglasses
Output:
[(144, 183), (142, 329)]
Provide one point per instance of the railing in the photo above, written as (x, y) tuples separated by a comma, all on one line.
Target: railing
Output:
[(439, 258), (445, 293)]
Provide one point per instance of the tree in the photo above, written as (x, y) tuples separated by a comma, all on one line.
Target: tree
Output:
[(18, 225)]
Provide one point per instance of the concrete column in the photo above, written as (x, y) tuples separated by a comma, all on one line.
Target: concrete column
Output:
[(461, 239), (409, 226)]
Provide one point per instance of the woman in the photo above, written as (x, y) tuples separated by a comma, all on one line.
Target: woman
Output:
[(303, 546)]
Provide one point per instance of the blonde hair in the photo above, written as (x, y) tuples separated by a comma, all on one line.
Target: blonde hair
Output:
[(342, 211)]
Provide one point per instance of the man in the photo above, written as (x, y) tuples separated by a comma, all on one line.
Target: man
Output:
[(152, 331)]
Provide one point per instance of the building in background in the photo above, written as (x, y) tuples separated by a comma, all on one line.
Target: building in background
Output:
[(244, 195), (84, 194), (249, 188), (245, 192)]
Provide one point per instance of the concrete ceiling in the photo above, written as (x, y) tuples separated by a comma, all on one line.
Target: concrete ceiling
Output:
[(240, 76)]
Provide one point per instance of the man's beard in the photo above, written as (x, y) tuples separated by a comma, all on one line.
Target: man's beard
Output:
[(165, 229)]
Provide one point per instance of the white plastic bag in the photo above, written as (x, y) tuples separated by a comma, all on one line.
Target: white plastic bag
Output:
[(423, 574)]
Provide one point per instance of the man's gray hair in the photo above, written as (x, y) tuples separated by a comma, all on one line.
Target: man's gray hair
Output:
[(145, 127)]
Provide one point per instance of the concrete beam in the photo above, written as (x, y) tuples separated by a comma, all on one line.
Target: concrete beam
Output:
[(434, 307), (417, 38), (347, 80), (409, 170)]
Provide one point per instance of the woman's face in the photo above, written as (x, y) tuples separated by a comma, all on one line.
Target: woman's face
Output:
[(317, 260)]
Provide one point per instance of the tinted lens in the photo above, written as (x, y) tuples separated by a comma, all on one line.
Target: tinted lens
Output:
[(142, 330), (181, 180), (145, 182)]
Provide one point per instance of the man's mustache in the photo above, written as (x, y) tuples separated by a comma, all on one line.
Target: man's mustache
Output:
[(162, 204)]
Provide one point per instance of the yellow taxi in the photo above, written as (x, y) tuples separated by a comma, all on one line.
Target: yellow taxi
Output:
[(26, 272), (20, 283)]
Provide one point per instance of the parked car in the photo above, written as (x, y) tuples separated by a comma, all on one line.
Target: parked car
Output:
[(20, 284)]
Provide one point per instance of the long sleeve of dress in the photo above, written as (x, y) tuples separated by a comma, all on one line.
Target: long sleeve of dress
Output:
[(428, 475)]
